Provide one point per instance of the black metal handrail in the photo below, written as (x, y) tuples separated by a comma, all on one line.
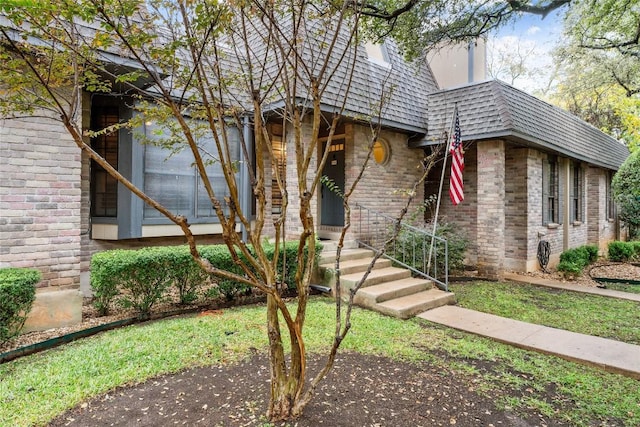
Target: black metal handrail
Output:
[(414, 248)]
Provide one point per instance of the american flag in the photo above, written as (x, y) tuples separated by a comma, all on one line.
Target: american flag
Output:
[(456, 185)]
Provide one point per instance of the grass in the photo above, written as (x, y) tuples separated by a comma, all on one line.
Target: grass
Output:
[(36, 388), (634, 289), (587, 314)]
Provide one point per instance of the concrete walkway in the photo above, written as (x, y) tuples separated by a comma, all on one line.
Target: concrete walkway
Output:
[(610, 355)]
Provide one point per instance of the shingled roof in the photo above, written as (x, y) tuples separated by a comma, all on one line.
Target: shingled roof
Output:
[(493, 109), (394, 93)]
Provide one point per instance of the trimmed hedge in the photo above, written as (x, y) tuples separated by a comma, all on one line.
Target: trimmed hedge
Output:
[(624, 251), (141, 278), (17, 293), (573, 261)]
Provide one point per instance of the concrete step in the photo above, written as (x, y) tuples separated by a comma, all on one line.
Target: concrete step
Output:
[(357, 265), (332, 245), (376, 277), (410, 305), (369, 296), (329, 257)]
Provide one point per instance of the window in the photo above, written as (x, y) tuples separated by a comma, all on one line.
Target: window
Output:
[(550, 191), (104, 188), (279, 157), (577, 196), (381, 152), (171, 178), (610, 211)]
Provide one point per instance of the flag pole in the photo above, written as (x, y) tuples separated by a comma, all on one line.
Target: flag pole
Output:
[(444, 167)]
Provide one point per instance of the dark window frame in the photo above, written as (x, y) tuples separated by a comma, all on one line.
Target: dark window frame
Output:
[(551, 202), (610, 211), (577, 192), (103, 187)]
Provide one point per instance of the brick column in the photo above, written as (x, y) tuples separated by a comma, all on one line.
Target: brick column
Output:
[(491, 209)]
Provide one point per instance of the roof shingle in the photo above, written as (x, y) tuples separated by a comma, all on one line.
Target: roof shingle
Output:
[(493, 109)]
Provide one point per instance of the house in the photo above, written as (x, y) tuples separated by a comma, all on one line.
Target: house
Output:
[(533, 172)]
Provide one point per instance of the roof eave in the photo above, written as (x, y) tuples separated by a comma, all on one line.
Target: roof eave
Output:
[(525, 140), (355, 116)]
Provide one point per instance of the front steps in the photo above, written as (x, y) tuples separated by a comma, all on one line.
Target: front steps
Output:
[(388, 290)]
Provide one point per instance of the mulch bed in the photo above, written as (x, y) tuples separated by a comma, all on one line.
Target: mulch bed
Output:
[(359, 391)]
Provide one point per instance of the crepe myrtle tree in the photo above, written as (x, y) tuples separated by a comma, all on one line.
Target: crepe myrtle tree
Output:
[(199, 69)]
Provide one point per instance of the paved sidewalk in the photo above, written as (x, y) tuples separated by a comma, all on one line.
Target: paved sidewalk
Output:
[(513, 277), (610, 355)]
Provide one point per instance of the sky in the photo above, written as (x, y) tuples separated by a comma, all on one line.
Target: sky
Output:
[(533, 38)]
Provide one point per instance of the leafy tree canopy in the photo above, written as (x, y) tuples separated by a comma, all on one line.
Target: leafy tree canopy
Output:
[(585, 89), (418, 25), (626, 191), (599, 67), (608, 31)]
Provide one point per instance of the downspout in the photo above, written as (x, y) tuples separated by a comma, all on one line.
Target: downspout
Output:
[(245, 182)]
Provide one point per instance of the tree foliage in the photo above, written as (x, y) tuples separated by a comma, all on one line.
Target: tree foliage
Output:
[(204, 69), (599, 73), (420, 25), (626, 191), (608, 32), (584, 89)]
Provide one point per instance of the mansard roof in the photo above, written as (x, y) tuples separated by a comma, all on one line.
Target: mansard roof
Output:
[(493, 109)]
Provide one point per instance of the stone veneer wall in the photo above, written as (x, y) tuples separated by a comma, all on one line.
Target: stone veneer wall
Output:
[(40, 200)]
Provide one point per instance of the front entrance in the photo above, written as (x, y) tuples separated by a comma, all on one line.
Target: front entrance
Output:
[(331, 208)]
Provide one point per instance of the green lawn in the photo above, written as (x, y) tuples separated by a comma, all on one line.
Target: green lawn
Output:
[(36, 388), (634, 289), (587, 314)]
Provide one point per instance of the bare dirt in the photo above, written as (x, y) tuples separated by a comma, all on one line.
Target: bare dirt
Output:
[(360, 391)]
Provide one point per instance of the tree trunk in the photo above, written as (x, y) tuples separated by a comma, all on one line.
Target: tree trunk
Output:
[(286, 384)]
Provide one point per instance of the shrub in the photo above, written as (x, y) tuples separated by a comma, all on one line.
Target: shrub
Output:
[(636, 250), (573, 261), (411, 247), (570, 268), (621, 251), (218, 255), (593, 253), (140, 278), (17, 293), (105, 267), (185, 274), (134, 279)]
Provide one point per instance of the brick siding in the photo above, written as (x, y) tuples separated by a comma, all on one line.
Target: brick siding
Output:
[(40, 200)]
